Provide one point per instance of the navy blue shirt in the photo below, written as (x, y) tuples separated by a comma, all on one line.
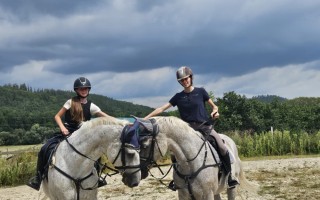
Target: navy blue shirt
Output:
[(191, 105)]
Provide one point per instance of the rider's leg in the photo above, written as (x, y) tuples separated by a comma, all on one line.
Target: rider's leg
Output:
[(35, 181), (225, 158)]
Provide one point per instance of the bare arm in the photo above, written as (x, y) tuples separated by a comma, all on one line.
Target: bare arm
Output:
[(214, 114), (58, 120), (102, 114), (158, 110)]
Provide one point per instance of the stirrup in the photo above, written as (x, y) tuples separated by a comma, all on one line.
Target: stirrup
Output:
[(34, 183), (232, 183), (102, 182), (172, 186)]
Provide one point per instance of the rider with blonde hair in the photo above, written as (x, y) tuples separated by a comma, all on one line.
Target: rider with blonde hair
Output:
[(75, 111), (191, 106)]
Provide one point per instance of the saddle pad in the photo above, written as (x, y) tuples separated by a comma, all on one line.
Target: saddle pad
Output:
[(145, 123), (130, 135)]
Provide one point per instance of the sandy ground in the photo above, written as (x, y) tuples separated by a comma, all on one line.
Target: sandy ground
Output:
[(294, 178)]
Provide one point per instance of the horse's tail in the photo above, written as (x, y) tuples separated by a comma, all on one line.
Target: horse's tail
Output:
[(246, 185)]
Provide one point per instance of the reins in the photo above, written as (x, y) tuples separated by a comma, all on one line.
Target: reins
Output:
[(186, 177), (78, 181), (122, 168)]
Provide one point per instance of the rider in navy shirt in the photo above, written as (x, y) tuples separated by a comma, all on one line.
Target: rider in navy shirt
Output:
[(191, 106)]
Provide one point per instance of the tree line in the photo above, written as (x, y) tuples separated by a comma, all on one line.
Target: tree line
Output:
[(27, 115)]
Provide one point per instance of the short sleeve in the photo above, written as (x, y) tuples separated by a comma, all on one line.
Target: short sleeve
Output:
[(94, 109), (67, 104)]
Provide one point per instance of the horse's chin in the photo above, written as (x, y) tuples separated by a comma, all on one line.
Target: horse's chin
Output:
[(132, 180)]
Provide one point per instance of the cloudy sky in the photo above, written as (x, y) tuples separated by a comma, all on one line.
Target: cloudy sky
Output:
[(131, 49)]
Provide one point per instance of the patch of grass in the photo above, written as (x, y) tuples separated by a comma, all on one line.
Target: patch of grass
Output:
[(18, 169), (4, 149), (255, 158)]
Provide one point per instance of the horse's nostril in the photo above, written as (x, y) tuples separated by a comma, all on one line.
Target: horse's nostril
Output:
[(134, 184)]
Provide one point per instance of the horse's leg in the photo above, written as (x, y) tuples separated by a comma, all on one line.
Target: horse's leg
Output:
[(183, 194), (217, 197), (210, 196), (231, 193)]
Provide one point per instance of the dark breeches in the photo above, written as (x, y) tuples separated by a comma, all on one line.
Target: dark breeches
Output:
[(208, 130)]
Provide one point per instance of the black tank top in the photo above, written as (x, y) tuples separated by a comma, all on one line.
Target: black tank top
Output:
[(72, 125)]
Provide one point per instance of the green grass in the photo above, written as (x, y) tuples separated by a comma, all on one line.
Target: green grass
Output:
[(16, 170), (278, 157), (19, 147)]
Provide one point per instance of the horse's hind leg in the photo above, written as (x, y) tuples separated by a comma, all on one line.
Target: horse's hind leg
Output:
[(231, 193)]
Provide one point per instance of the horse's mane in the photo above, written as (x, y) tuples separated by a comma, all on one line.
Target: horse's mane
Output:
[(103, 121), (172, 121)]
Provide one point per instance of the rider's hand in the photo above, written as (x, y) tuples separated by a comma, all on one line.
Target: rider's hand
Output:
[(215, 114), (64, 131)]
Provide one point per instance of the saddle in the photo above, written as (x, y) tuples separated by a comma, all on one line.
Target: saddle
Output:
[(46, 154)]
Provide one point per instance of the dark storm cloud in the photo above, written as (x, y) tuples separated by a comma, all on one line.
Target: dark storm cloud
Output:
[(229, 38), (130, 49), (26, 9)]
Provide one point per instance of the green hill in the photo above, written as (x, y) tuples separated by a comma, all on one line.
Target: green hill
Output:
[(21, 106)]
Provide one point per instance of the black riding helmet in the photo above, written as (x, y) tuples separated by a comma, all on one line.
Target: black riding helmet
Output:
[(81, 82), (184, 72)]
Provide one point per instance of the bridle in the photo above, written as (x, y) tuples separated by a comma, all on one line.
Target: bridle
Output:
[(124, 167), (149, 160), (186, 177), (78, 181)]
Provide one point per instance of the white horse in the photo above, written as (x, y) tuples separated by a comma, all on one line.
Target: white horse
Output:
[(196, 172), (72, 174)]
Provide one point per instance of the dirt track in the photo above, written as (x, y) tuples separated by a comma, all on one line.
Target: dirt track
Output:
[(294, 178)]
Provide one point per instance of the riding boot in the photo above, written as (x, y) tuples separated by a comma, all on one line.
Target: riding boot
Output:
[(35, 181), (232, 182)]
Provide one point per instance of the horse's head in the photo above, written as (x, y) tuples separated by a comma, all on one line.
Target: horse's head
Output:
[(153, 145), (146, 155), (127, 160), (130, 161)]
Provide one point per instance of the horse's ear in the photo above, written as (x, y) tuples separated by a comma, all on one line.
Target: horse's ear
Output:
[(145, 141)]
